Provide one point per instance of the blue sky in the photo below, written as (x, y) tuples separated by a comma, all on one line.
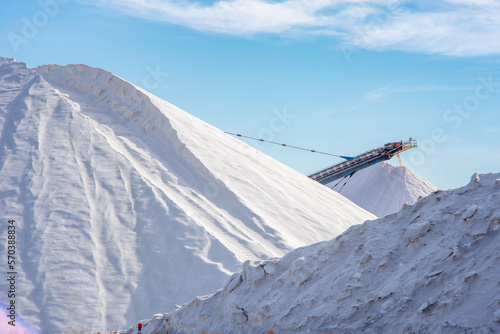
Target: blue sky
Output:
[(336, 76)]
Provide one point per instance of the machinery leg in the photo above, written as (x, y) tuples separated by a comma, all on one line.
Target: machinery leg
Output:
[(399, 159)]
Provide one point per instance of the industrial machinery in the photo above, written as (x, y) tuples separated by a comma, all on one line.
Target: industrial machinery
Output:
[(354, 164)]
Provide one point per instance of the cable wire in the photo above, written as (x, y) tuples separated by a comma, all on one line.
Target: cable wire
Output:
[(285, 145), (348, 178)]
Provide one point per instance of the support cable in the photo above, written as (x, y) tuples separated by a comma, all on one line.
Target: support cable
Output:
[(348, 178), (342, 179), (285, 145)]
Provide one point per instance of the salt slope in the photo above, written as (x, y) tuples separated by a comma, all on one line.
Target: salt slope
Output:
[(430, 268), (383, 189), (118, 195)]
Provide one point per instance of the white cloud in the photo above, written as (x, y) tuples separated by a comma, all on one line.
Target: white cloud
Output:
[(450, 27), (462, 32), (474, 2), (388, 90)]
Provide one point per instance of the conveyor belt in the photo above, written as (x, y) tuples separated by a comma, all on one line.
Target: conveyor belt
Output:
[(361, 161)]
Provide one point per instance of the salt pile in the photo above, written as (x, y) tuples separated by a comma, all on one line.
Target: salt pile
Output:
[(126, 205), (383, 189), (430, 268)]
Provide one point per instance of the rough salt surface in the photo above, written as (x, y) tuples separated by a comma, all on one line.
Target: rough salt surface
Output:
[(421, 270)]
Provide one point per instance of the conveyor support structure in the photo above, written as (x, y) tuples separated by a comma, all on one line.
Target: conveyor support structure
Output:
[(357, 163)]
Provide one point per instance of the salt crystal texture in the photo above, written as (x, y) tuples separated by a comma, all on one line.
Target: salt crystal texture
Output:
[(444, 281)]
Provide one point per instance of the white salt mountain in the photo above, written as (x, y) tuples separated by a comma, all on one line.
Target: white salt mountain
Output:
[(126, 205), (383, 189), (430, 268)]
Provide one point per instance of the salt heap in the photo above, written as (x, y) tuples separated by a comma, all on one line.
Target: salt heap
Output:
[(383, 189), (125, 204), (433, 267)]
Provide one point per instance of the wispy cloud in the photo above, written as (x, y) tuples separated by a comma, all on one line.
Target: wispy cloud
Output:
[(325, 112), (492, 130), (450, 27), (388, 90)]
